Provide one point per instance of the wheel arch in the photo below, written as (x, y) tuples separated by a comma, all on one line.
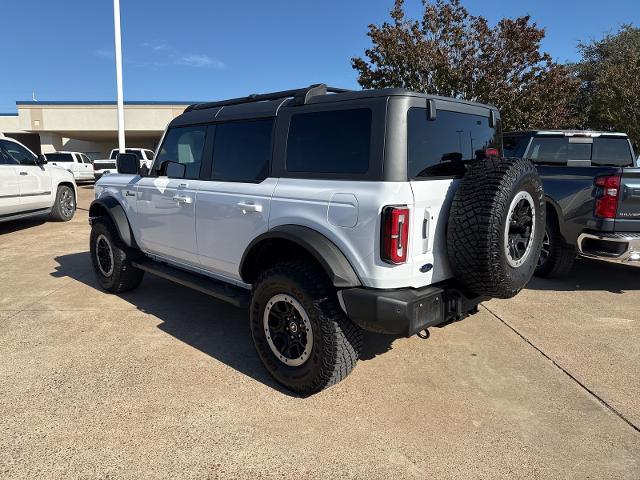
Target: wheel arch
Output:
[(554, 213), (286, 241), (109, 206)]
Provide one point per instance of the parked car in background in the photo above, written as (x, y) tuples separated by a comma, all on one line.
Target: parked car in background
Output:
[(107, 166), (144, 155), (103, 167), (592, 190), (75, 162), (29, 186), (326, 212)]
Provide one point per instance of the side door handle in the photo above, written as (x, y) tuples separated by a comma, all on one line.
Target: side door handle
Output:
[(182, 199), (250, 207), (24, 173)]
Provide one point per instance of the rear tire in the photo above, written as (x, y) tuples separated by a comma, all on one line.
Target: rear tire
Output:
[(112, 259), (556, 258), (302, 336), (496, 226), (64, 206)]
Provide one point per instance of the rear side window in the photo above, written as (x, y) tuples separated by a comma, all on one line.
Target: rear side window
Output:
[(183, 145), (336, 141), (611, 151), (242, 151), (441, 147)]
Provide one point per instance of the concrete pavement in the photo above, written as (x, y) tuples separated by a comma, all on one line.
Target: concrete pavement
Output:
[(163, 382)]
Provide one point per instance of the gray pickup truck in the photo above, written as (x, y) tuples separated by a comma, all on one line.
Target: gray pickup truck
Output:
[(592, 190)]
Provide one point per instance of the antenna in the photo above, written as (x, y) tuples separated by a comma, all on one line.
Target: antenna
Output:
[(33, 96)]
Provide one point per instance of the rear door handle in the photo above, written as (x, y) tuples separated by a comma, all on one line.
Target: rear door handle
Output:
[(250, 207), (182, 199), (24, 173)]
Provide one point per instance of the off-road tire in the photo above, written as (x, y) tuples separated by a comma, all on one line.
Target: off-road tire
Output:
[(478, 222), (336, 340), (561, 256), (123, 276), (58, 212)]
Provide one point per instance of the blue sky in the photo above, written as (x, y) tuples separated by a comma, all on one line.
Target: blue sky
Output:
[(211, 49)]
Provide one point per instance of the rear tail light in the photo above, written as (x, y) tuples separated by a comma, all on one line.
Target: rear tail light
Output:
[(492, 152), (395, 234), (607, 196)]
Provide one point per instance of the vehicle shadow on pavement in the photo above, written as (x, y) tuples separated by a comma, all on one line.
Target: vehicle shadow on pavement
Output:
[(592, 275), (16, 225), (209, 325)]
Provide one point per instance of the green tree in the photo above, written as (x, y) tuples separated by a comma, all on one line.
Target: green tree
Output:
[(452, 53), (610, 82)]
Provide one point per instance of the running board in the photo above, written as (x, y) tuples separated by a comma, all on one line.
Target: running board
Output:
[(222, 291)]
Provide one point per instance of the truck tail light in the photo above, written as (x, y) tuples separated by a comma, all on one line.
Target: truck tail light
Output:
[(607, 196), (395, 234)]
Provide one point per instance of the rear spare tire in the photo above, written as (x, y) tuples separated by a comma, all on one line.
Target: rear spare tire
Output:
[(496, 227)]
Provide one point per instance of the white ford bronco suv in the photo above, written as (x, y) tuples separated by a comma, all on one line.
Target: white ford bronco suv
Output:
[(326, 212)]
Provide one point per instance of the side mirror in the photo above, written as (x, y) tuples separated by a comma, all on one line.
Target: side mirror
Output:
[(42, 160), (127, 163), (173, 169)]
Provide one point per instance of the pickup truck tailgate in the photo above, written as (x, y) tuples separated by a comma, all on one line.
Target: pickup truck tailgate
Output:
[(628, 218)]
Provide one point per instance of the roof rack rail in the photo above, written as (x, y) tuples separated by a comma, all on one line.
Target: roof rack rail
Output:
[(300, 95)]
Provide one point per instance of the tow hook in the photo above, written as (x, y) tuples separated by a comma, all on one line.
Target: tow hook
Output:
[(424, 335)]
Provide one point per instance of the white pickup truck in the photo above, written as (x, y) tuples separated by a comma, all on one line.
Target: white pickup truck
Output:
[(75, 162), (29, 186), (107, 166)]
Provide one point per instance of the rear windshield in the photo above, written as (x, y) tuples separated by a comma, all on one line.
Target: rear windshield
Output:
[(104, 165), (59, 157), (137, 153), (559, 150), (442, 147), (515, 145)]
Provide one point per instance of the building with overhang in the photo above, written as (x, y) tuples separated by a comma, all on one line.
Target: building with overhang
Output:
[(88, 127)]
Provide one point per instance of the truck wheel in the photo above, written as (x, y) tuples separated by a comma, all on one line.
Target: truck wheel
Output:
[(301, 334), (496, 226), (556, 257), (64, 206), (112, 260)]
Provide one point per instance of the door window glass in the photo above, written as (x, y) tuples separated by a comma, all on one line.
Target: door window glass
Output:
[(242, 151), (183, 145)]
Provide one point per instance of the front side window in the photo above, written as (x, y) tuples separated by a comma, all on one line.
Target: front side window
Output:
[(336, 141), (183, 145), (242, 151), (60, 157), (20, 154), (441, 147)]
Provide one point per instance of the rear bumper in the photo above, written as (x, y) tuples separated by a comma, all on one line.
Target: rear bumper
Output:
[(611, 247), (405, 311)]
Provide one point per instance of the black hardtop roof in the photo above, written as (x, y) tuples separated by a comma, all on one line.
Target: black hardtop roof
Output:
[(268, 104)]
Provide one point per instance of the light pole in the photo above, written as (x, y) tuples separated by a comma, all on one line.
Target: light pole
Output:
[(118, 48)]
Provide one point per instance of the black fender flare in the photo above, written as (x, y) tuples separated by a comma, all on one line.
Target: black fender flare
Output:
[(116, 213), (328, 255)]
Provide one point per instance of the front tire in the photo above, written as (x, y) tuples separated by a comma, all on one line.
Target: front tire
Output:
[(302, 336), (64, 206), (112, 260)]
